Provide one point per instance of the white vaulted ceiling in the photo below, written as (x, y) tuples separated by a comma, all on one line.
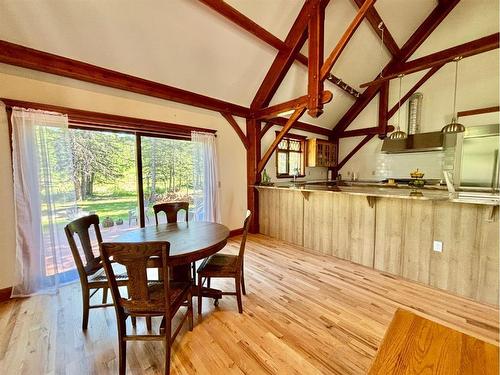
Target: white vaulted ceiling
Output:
[(185, 44)]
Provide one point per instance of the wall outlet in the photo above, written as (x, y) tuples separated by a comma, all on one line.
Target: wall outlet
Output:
[(438, 246)]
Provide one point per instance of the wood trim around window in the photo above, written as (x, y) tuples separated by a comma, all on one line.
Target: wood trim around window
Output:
[(296, 137), (81, 119)]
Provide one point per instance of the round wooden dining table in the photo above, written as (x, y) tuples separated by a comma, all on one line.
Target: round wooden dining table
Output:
[(189, 242)]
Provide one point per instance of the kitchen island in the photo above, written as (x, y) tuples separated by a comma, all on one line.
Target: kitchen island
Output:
[(392, 230)]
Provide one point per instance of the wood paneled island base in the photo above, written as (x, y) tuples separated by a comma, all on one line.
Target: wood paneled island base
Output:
[(393, 234)]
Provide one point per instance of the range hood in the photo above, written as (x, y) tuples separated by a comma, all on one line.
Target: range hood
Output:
[(421, 142)]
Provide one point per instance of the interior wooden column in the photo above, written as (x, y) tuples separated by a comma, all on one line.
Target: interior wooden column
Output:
[(316, 44), (253, 176)]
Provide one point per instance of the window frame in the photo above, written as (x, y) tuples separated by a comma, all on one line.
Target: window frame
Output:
[(98, 121), (303, 150)]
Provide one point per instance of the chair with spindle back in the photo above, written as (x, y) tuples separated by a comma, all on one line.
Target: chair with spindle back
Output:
[(171, 210), (226, 266), (91, 273), (145, 297)]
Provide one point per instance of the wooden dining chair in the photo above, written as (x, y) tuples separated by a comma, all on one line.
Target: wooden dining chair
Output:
[(91, 272), (171, 209), (145, 297), (226, 266)]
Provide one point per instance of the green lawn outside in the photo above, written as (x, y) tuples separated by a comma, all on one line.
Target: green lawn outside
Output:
[(115, 207)]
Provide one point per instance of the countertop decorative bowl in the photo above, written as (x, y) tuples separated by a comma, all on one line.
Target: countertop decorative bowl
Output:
[(416, 174), (417, 183)]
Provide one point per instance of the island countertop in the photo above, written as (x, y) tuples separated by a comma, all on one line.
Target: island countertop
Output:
[(373, 190)]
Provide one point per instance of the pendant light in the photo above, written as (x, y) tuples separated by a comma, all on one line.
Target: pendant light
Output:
[(399, 134), (454, 126)]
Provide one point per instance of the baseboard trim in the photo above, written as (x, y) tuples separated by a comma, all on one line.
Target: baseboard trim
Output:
[(5, 294), (235, 232)]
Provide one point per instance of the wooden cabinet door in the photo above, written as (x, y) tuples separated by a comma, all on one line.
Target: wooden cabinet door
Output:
[(321, 153), (332, 161)]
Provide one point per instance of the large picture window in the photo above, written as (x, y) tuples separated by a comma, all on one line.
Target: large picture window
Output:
[(290, 156)]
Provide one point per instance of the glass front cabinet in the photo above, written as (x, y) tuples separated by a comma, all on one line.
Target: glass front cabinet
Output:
[(321, 153)]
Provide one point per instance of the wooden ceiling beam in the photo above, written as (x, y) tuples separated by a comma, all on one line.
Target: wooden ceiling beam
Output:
[(346, 37), (432, 21), (247, 24), (266, 127), (364, 141), (229, 118), (426, 28), (415, 87), (364, 131), (14, 54), (290, 105), (291, 121), (281, 64), (299, 125), (478, 111), (238, 18), (315, 49), (464, 50), (375, 20)]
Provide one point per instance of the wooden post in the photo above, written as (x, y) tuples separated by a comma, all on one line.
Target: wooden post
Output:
[(316, 37), (253, 176)]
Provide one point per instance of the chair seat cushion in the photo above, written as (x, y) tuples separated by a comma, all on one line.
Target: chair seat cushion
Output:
[(219, 265), (156, 302)]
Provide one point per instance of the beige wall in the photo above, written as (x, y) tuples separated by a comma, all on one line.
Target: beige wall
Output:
[(22, 84), (7, 234), (315, 173)]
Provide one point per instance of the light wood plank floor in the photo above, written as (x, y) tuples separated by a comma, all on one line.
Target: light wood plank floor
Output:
[(304, 314)]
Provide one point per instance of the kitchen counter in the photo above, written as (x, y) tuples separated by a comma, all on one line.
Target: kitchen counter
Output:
[(379, 190), (392, 231)]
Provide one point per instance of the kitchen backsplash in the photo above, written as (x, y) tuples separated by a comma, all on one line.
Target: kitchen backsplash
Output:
[(400, 165)]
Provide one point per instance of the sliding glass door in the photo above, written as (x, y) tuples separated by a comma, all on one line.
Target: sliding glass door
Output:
[(103, 182), (108, 172), (167, 175)]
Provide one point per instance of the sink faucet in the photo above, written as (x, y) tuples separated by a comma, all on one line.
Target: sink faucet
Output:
[(295, 174)]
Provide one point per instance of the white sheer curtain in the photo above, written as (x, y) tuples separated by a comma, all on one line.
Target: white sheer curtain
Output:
[(206, 177), (42, 167)]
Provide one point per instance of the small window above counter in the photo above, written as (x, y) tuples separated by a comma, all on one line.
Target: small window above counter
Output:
[(321, 153)]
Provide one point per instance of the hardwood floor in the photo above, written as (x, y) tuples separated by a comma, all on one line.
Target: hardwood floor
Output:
[(303, 314)]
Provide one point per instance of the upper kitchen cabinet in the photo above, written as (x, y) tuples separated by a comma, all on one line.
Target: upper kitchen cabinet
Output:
[(321, 153)]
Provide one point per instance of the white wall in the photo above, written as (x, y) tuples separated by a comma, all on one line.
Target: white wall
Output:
[(22, 84), (478, 87), (315, 173), (478, 81)]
